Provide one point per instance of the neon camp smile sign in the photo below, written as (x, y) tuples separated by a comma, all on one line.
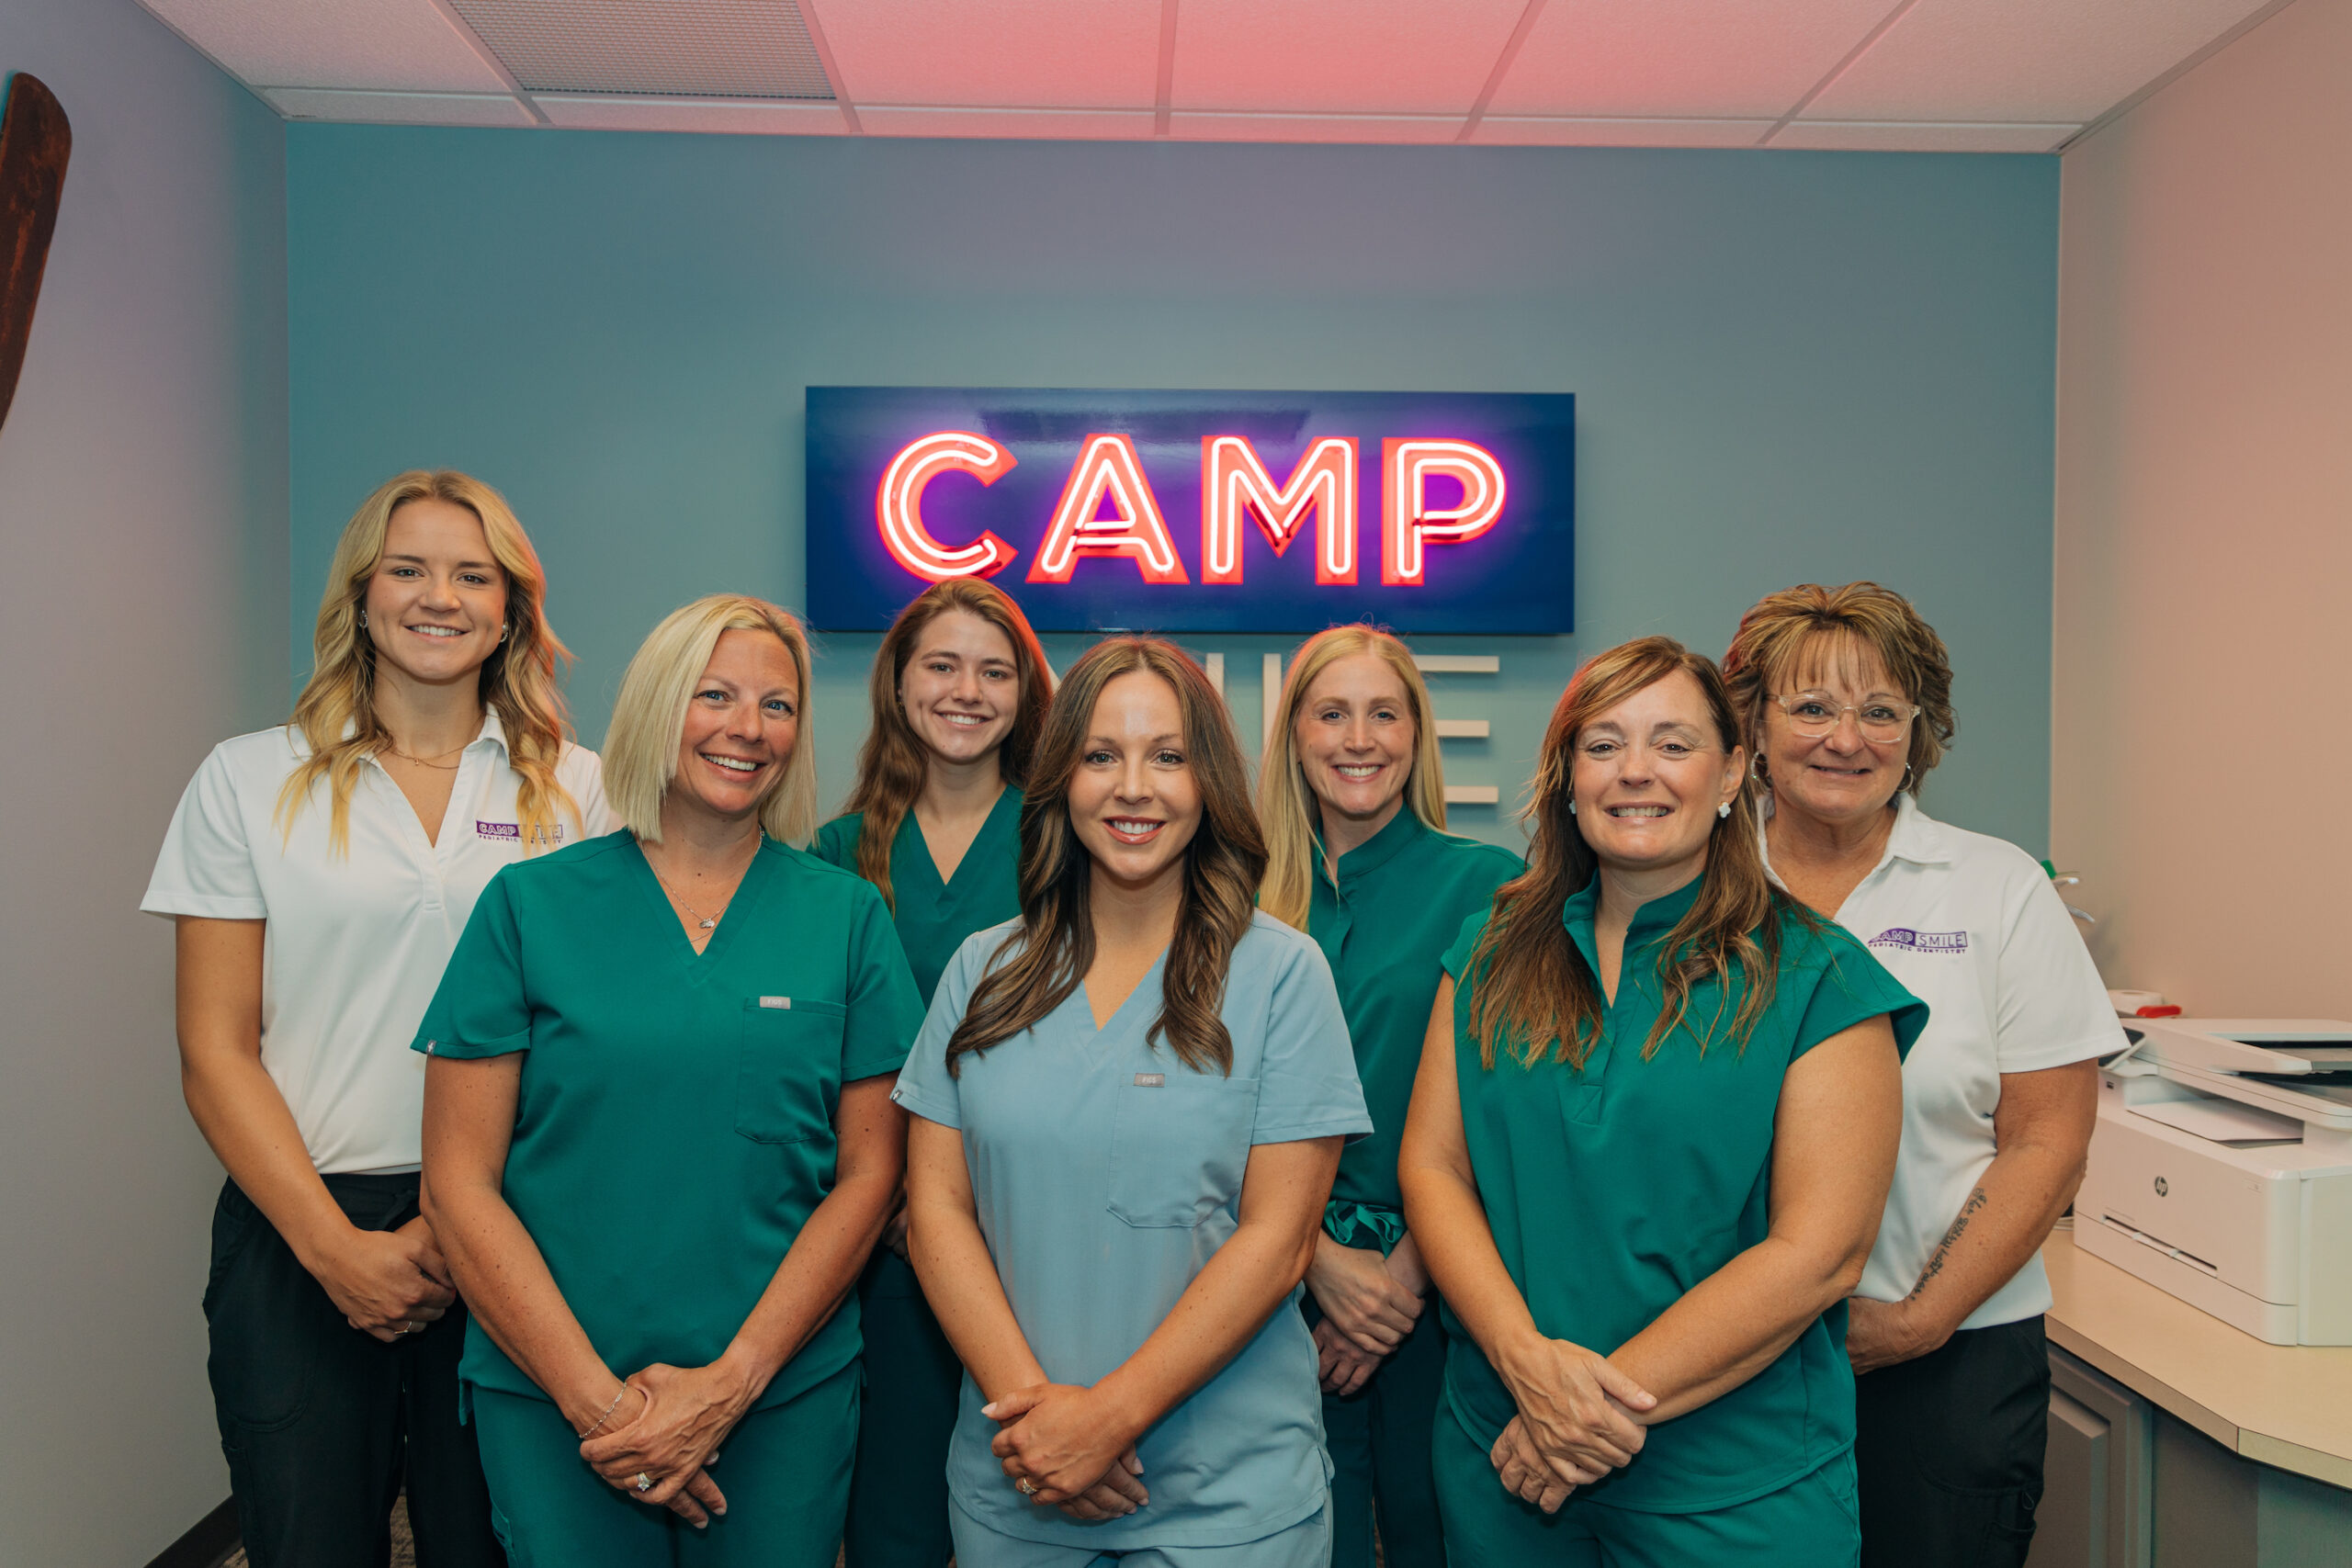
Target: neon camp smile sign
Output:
[(1178, 511)]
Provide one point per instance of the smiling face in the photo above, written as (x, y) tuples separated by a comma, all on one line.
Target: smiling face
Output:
[(961, 688), (437, 601), (1354, 736), (1133, 801), (1649, 774), (742, 723), (1844, 776)]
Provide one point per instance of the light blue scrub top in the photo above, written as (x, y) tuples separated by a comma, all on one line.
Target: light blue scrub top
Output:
[(1106, 1174)]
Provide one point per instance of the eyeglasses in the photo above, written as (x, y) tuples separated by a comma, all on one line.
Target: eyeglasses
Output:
[(1813, 715)]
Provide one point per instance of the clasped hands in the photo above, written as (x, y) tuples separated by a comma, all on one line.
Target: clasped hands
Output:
[(1579, 1417), (668, 1425), (1074, 1450), (1370, 1304)]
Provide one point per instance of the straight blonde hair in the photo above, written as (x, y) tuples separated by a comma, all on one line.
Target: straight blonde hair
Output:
[(336, 712), (893, 764), (1287, 807), (650, 717)]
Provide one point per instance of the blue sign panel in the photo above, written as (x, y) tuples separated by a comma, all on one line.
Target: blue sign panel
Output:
[(1197, 511)]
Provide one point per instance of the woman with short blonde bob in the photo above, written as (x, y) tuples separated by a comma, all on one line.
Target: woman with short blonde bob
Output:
[(320, 874), (1846, 693), (958, 694), (659, 1143), (1652, 1132), (1128, 1105), (1352, 795)]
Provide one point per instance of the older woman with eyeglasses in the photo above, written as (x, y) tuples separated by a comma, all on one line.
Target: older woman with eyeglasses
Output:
[(1847, 695)]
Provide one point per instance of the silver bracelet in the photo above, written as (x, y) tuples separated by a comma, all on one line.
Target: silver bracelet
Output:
[(607, 1415)]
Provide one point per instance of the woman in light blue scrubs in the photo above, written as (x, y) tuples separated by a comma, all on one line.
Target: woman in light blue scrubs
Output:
[(959, 690), (1128, 1111)]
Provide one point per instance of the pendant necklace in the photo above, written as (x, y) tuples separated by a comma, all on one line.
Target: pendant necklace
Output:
[(708, 922)]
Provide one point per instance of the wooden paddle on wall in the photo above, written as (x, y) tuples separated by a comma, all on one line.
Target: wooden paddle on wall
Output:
[(35, 142)]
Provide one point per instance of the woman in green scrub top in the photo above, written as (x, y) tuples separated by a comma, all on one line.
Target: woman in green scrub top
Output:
[(959, 692), (1352, 797), (1129, 1105), (658, 1137), (1651, 1136)]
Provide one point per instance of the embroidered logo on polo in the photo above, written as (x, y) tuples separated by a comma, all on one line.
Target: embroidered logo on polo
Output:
[(512, 832), (1904, 939)]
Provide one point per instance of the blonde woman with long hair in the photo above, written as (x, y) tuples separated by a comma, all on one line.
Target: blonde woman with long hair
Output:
[(320, 874), (958, 690), (659, 1142), (1128, 1105), (1352, 797), (1656, 1119)]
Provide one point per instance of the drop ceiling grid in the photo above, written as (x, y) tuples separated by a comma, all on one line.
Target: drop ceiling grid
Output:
[(375, 45), (749, 49), (1007, 54), (1679, 59), (1364, 57), (2021, 61)]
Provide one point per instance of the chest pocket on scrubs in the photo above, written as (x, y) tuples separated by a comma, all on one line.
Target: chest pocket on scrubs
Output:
[(786, 1057), (1178, 1148)]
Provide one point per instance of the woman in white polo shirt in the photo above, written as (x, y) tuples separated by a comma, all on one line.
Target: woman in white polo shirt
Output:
[(320, 874), (1847, 695)]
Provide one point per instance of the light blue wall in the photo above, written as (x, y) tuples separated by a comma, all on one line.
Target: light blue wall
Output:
[(1789, 366), (142, 618)]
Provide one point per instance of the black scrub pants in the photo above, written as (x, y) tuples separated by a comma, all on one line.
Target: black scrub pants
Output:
[(322, 1425), (1948, 1450)]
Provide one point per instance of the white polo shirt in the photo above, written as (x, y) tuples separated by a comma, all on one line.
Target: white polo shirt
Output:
[(355, 943), (1970, 926)]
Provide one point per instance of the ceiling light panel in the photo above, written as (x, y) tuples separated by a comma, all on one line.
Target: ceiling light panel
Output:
[(2022, 60), (724, 48), (1006, 54), (1678, 59), (1339, 56), (387, 45)]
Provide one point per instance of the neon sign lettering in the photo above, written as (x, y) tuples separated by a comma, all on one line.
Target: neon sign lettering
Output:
[(1234, 484)]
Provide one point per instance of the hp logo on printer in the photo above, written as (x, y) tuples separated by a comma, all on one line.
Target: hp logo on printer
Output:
[(2160, 1186)]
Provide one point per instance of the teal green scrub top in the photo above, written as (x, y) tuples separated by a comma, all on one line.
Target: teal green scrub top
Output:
[(934, 917), (1402, 897), (1615, 1189), (674, 1128), (1106, 1175)]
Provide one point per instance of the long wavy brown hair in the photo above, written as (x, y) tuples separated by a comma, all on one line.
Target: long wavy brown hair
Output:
[(892, 763), (1045, 960), (1532, 987), (336, 712)]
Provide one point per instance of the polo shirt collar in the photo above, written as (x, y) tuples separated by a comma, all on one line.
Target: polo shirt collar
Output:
[(1916, 836), (1651, 922), (493, 731)]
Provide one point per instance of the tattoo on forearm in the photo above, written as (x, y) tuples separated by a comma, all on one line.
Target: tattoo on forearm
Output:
[(1943, 1249)]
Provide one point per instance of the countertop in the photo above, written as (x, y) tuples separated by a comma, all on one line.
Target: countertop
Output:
[(2288, 1406)]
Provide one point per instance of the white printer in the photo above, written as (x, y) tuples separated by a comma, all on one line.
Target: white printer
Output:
[(2220, 1170)]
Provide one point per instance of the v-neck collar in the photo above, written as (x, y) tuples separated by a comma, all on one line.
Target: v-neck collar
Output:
[(1650, 923), (700, 966), (910, 845), (1110, 1027)]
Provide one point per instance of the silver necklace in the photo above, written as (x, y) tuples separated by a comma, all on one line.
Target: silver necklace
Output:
[(708, 923)]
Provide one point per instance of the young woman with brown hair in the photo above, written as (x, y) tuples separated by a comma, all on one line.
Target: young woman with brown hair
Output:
[(1128, 1107), (1656, 1118), (959, 690)]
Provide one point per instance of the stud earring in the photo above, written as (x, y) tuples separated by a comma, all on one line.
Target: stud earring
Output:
[(1572, 806), (1723, 809)]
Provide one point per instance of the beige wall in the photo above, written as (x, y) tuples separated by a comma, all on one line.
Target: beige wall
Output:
[(2202, 763)]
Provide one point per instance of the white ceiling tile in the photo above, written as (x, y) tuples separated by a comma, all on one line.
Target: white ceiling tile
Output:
[(1919, 136), (1007, 53), (1527, 131), (2023, 60), (703, 49), (1339, 56), (397, 108), (1195, 126), (1059, 125), (392, 45), (727, 117), (1674, 59)]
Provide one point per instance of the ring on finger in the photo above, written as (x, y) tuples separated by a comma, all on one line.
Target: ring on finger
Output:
[(642, 1482), (1025, 1486)]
